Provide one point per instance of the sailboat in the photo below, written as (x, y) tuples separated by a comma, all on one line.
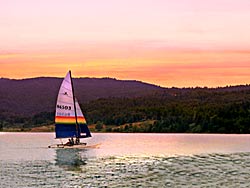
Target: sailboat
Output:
[(69, 120)]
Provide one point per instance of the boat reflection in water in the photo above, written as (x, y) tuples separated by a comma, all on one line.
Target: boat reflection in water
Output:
[(70, 159)]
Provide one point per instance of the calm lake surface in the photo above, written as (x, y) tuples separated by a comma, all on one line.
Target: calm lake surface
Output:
[(126, 160)]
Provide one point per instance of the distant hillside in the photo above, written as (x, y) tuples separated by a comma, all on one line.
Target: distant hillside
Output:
[(35, 95), (128, 106)]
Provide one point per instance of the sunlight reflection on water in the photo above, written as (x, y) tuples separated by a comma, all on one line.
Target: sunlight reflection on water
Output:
[(126, 160)]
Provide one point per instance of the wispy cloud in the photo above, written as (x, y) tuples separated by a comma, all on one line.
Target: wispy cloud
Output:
[(169, 43)]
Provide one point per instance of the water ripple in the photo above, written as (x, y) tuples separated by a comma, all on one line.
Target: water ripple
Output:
[(211, 170)]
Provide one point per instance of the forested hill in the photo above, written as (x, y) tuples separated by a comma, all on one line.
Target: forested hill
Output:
[(128, 106), (35, 95)]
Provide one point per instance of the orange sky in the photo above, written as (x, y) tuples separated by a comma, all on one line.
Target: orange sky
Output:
[(178, 43), (165, 67)]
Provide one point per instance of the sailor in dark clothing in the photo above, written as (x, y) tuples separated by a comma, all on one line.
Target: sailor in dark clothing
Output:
[(70, 142), (77, 141)]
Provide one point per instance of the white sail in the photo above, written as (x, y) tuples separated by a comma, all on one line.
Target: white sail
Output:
[(69, 118), (65, 103), (80, 116)]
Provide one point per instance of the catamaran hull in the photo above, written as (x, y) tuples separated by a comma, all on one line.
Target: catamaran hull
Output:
[(79, 146)]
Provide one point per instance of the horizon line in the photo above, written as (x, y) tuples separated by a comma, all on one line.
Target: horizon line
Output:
[(158, 85)]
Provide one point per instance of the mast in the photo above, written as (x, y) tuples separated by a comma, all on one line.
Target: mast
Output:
[(77, 126)]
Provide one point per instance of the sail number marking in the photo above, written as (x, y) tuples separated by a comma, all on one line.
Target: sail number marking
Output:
[(63, 107)]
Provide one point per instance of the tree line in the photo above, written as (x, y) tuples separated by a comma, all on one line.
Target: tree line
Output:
[(198, 111), (180, 111)]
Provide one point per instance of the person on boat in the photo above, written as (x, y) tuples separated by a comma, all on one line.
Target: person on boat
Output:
[(70, 142), (77, 141)]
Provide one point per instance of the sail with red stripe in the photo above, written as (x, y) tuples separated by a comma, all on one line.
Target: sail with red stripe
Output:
[(69, 119)]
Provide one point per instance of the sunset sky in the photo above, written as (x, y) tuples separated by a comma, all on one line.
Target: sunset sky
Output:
[(179, 43)]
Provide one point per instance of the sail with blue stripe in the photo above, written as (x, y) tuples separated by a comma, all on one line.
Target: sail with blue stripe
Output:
[(69, 119)]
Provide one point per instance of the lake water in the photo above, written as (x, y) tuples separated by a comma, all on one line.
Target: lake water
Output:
[(126, 160)]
